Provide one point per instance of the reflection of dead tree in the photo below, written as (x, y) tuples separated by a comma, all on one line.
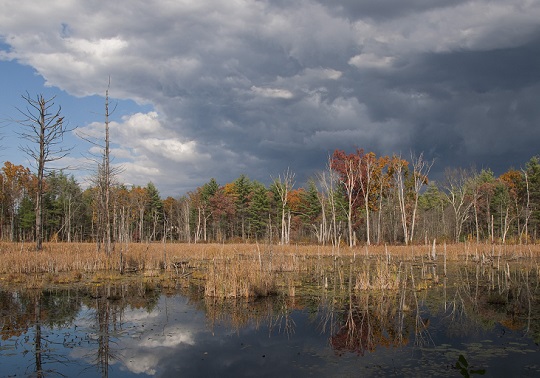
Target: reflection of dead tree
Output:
[(283, 320), (466, 288), (421, 332), (401, 311), (360, 322), (529, 304), (37, 340), (107, 327), (44, 351), (486, 295), (103, 351), (328, 321)]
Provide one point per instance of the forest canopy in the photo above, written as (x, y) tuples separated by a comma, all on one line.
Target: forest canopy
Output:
[(358, 198)]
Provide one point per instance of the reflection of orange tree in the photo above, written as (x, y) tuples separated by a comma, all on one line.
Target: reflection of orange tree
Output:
[(369, 320)]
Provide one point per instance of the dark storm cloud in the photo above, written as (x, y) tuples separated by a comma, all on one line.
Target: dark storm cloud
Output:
[(384, 9), (480, 109), (255, 87), (510, 68)]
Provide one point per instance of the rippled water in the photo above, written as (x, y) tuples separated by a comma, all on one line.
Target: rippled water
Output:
[(490, 317)]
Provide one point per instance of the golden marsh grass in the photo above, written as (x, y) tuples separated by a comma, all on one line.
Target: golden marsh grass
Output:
[(240, 270)]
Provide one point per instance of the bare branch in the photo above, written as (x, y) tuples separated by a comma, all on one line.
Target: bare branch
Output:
[(44, 130)]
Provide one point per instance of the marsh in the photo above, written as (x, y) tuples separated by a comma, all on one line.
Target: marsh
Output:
[(476, 319)]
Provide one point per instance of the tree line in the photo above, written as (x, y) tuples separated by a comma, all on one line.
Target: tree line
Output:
[(359, 198)]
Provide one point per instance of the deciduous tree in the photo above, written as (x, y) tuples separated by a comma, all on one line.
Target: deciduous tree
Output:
[(15, 185)]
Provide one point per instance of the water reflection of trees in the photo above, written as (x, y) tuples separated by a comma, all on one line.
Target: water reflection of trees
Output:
[(360, 321), (486, 294), (356, 320), (473, 296), (34, 314), (275, 313), (108, 302), (368, 320)]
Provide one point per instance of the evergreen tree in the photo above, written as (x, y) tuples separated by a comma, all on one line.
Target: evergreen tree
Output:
[(242, 189), (532, 169), (258, 210), (154, 212), (27, 218)]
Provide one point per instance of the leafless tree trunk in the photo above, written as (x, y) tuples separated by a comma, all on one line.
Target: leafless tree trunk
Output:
[(369, 163), (421, 170), (456, 191), (199, 223), (379, 215), (398, 166), (283, 186), (141, 222), (103, 180), (185, 218), (527, 208), (107, 178), (475, 196), (45, 130), (350, 185), (327, 182)]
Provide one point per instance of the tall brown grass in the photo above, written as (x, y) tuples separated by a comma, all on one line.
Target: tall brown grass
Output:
[(245, 270)]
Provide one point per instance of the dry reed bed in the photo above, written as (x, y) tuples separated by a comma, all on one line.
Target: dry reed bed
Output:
[(84, 257), (248, 270)]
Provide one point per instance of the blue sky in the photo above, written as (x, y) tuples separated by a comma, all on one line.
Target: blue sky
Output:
[(218, 89), (79, 111)]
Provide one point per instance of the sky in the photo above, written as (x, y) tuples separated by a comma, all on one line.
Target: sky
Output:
[(216, 89)]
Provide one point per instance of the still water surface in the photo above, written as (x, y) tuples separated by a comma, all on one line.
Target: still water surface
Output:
[(491, 318)]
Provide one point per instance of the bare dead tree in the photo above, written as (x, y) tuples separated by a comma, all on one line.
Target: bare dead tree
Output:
[(456, 195), (399, 168), (421, 169), (44, 128), (106, 187), (527, 207), (104, 179), (327, 197), (283, 187), (367, 171), (349, 182)]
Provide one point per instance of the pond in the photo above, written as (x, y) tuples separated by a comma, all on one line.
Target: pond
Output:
[(475, 320)]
